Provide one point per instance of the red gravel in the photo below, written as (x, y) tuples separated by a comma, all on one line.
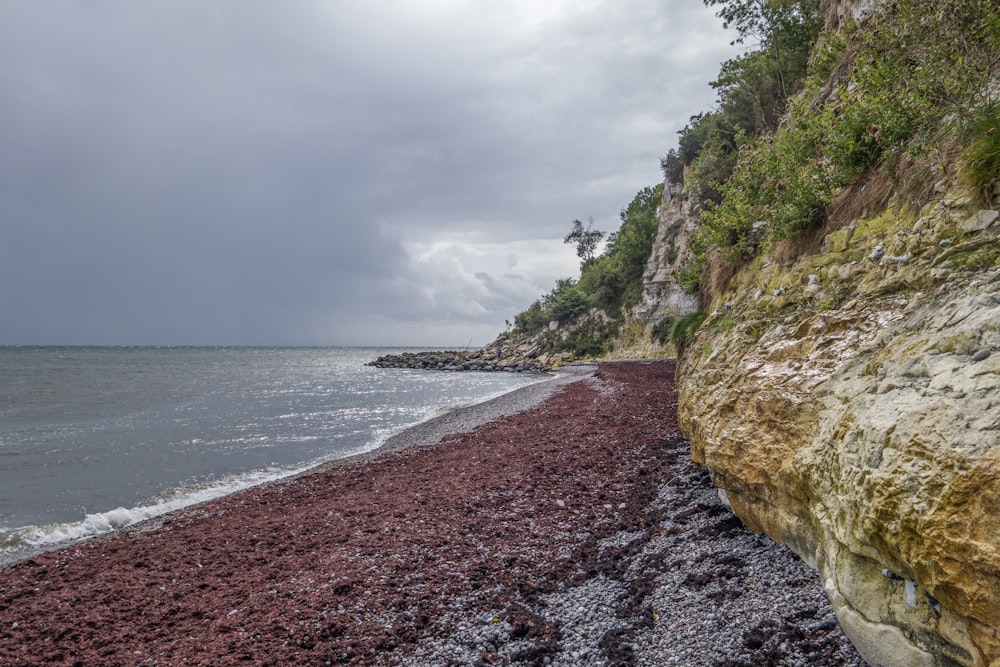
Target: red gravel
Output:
[(356, 563)]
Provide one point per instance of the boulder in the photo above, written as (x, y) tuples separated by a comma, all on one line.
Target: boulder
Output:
[(465, 360)]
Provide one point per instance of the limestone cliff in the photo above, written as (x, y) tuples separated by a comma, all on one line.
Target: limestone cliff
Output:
[(662, 296), (848, 405), (844, 390), (837, 12), (643, 334)]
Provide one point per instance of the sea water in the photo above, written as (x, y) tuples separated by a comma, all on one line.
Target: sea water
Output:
[(93, 439)]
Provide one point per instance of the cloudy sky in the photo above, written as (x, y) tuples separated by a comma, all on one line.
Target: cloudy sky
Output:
[(328, 172)]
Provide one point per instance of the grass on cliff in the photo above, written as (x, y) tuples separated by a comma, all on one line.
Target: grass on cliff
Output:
[(981, 158), (683, 330), (876, 97)]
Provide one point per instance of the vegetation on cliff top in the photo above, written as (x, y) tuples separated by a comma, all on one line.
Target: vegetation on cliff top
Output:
[(753, 90), (806, 118), (894, 94), (608, 283)]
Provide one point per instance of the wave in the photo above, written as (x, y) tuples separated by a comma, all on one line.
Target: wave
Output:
[(15, 543), (22, 542), (18, 543)]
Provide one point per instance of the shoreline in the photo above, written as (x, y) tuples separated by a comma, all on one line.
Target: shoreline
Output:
[(424, 433), (571, 531), (467, 418)]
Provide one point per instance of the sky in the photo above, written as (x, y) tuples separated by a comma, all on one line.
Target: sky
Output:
[(323, 172)]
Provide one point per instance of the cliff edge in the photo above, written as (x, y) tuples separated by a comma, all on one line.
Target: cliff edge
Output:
[(844, 387), (848, 405)]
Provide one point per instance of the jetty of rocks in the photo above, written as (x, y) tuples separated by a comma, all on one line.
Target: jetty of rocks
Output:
[(462, 360), (509, 353)]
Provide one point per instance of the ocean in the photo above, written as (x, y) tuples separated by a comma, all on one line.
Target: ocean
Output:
[(93, 439)]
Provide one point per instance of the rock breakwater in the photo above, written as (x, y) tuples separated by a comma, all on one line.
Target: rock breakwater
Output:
[(503, 355), (452, 360)]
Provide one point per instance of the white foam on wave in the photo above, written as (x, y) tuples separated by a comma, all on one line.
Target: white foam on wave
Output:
[(16, 543), (91, 525)]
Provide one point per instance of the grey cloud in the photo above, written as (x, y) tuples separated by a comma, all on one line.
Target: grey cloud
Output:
[(260, 172)]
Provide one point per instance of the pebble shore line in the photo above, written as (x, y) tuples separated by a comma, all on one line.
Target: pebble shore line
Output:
[(576, 532)]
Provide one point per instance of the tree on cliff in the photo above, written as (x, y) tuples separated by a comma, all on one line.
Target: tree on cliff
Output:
[(785, 31), (586, 241), (609, 282), (753, 89)]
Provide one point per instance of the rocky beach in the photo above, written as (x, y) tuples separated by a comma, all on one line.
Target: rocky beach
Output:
[(563, 524)]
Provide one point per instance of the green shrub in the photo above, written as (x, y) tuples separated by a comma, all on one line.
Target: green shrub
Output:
[(981, 159), (683, 330), (591, 339), (532, 319), (875, 95), (611, 281), (614, 279), (564, 302)]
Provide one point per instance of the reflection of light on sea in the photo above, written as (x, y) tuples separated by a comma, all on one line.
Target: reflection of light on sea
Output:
[(194, 422)]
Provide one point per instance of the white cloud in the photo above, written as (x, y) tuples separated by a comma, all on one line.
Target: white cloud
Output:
[(474, 280)]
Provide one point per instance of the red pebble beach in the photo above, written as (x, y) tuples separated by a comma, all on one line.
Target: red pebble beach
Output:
[(361, 562)]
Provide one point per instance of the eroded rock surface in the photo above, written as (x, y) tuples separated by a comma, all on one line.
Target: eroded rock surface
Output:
[(848, 403), (662, 296)]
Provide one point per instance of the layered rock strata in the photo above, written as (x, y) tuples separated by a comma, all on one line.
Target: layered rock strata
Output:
[(848, 405)]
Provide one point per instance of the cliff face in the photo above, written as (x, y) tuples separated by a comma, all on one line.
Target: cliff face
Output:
[(848, 405), (643, 334), (662, 296), (836, 12), (663, 299), (844, 390)]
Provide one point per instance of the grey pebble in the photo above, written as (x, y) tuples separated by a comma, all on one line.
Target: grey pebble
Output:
[(665, 605), (982, 354)]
